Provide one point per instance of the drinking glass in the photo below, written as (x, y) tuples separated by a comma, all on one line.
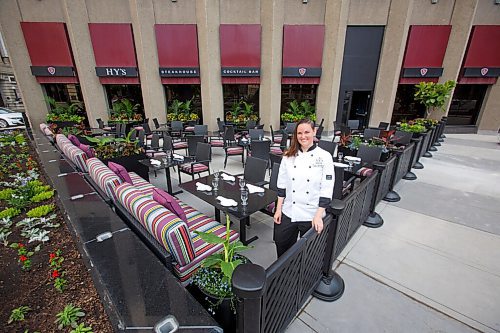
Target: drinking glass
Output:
[(216, 175), (340, 156), (242, 183), (244, 197), (169, 155), (215, 184)]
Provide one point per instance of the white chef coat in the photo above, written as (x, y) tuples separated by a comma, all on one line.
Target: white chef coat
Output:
[(306, 181)]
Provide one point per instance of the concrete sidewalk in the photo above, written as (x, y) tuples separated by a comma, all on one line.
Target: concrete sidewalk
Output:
[(434, 266)]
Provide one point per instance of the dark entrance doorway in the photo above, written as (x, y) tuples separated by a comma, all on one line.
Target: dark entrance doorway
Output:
[(466, 104), (357, 105)]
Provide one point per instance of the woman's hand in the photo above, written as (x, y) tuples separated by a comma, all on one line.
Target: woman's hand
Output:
[(317, 224), (277, 216)]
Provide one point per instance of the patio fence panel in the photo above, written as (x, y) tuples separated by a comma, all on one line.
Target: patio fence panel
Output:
[(386, 178), (404, 161)]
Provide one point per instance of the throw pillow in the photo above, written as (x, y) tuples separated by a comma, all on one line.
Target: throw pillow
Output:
[(87, 150), (169, 202), (74, 140), (121, 172)]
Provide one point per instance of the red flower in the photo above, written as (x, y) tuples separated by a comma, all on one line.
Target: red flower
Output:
[(20, 244), (55, 273), (23, 258), (52, 256)]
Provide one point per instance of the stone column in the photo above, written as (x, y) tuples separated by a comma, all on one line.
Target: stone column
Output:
[(272, 15), (207, 17), (36, 108), (336, 16), (153, 94), (77, 24), (391, 58), (461, 25), (490, 111)]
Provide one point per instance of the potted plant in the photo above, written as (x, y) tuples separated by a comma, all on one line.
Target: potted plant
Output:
[(213, 278), (123, 151), (298, 111), (62, 114), (124, 111), (433, 95), (349, 144)]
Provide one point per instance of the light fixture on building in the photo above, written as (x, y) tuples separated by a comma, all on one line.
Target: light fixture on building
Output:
[(304, 1), (497, 2), (174, 0), (434, 2)]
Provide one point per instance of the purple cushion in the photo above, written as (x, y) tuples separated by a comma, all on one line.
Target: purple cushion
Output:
[(74, 140), (120, 171), (87, 150), (169, 202)]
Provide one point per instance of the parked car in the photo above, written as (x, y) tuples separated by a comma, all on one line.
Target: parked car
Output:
[(10, 118)]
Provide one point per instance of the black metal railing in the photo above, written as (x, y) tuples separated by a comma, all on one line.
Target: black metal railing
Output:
[(404, 160), (387, 169)]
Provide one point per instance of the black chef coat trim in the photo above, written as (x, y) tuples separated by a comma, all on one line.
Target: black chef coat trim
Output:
[(281, 192), (310, 148), (324, 202)]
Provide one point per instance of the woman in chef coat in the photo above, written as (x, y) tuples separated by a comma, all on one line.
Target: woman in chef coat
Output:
[(305, 187)]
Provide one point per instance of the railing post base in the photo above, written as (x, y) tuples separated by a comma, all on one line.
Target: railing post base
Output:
[(437, 144), (391, 196), (410, 176), (330, 288), (418, 165), (374, 220), (432, 148), (442, 137), (427, 154)]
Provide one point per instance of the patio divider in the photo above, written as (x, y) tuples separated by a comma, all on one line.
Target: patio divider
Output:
[(269, 299)]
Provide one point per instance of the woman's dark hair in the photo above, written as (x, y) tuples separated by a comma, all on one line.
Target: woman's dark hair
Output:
[(294, 143)]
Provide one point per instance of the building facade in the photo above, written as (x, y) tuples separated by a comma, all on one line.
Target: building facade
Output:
[(10, 97), (351, 59)]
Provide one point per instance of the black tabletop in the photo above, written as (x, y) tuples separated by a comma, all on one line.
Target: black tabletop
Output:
[(166, 164), (231, 190)]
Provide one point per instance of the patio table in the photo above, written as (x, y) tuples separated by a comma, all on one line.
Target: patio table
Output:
[(231, 190), (167, 164)]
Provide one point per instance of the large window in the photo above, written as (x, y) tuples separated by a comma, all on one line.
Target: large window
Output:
[(405, 106), (132, 92), (184, 93), (466, 104), (235, 94), (299, 92)]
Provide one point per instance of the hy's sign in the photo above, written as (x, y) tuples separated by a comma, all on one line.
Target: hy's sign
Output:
[(240, 71), (301, 72), (116, 71), (179, 72), (52, 71)]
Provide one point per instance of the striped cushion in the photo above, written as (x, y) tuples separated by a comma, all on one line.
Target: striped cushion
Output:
[(234, 150), (75, 154), (180, 145), (197, 167), (200, 222), (189, 129), (276, 150), (365, 172), (277, 139), (106, 179), (141, 184), (217, 143), (169, 230)]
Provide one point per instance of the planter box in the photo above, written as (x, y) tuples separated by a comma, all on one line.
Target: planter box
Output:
[(346, 151), (62, 124), (131, 163)]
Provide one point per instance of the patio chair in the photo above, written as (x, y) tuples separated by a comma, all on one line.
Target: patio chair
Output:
[(369, 133), (328, 146), (369, 154), (383, 126), (319, 133), (100, 124), (192, 142), (273, 185), (353, 124), (255, 171), (201, 164), (290, 128), (176, 128), (256, 134), (279, 149), (260, 149), (200, 130), (142, 138), (276, 136), (402, 138), (275, 159), (230, 146), (154, 146), (250, 124)]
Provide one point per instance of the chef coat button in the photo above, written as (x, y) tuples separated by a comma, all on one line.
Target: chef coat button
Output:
[(293, 191), (306, 192), (294, 202), (309, 167), (308, 180), (295, 166), (293, 178)]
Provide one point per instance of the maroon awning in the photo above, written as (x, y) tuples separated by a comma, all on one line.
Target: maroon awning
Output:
[(424, 53), (482, 58), (114, 53), (177, 46), (240, 53), (302, 53), (49, 51)]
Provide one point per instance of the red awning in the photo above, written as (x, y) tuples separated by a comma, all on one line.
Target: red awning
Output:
[(240, 53), (302, 53), (177, 46), (49, 51), (114, 53), (482, 58), (424, 53)]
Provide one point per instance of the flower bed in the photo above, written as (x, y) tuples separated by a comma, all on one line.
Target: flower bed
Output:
[(42, 271)]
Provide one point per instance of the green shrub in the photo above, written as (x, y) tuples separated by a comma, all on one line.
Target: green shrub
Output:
[(40, 211), (6, 193), (18, 314), (69, 316), (9, 212), (42, 196)]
